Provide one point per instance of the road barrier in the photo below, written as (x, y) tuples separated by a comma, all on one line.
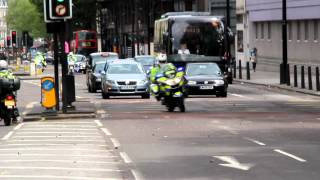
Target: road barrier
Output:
[(317, 79), (303, 84), (295, 76), (310, 78), (248, 70), (240, 70)]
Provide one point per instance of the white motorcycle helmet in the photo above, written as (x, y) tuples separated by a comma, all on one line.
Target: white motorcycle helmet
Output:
[(162, 58), (3, 65)]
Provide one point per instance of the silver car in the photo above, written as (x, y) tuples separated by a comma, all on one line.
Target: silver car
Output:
[(123, 78)]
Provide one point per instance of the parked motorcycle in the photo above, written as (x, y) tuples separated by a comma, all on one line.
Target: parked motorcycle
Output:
[(8, 103), (172, 90)]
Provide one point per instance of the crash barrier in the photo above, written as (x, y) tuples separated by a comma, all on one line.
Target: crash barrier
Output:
[(312, 76)]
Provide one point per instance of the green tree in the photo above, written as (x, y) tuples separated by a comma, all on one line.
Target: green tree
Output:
[(25, 16)]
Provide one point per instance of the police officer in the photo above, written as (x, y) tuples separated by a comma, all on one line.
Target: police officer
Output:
[(4, 71)]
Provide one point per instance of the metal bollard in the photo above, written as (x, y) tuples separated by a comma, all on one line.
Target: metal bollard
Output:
[(317, 79), (310, 78), (281, 74), (248, 70), (288, 75), (240, 70), (295, 76), (303, 85), (235, 69)]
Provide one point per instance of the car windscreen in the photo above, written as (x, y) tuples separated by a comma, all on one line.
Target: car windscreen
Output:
[(99, 67), (81, 58), (146, 61), (124, 69), (203, 69)]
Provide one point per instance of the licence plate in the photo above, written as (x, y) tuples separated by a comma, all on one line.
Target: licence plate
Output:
[(206, 87), (9, 103), (128, 87)]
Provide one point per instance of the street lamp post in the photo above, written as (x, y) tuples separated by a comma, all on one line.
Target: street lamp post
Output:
[(284, 78)]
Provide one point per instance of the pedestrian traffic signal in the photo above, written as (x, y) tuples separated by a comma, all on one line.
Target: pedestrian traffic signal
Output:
[(60, 9), (14, 37)]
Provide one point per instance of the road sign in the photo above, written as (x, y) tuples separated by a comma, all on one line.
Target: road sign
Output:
[(60, 9), (48, 94)]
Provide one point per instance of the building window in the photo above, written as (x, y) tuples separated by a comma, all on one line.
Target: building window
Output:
[(240, 41), (256, 29), (298, 31), (262, 30), (306, 30), (269, 30), (315, 30), (290, 31)]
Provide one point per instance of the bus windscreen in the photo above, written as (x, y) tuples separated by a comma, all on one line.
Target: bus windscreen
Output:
[(202, 38)]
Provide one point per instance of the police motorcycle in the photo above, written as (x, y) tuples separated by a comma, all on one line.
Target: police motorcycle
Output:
[(172, 87), (71, 65), (8, 104)]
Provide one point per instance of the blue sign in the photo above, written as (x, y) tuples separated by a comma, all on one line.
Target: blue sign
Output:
[(47, 85)]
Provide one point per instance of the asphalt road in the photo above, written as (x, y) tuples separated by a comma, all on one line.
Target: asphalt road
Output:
[(254, 133)]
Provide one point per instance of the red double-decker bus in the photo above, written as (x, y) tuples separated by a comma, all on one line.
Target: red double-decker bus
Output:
[(84, 42)]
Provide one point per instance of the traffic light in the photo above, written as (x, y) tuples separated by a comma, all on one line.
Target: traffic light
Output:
[(8, 41), (60, 9), (14, 38)]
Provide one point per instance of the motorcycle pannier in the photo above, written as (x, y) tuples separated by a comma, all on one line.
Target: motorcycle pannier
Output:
[(9, 84)]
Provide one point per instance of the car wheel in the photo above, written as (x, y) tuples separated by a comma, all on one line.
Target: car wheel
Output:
[(146, 96), (105, 95), (222, 94), (93, 89)]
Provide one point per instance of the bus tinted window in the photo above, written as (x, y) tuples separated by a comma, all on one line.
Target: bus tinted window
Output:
[(199, 38)]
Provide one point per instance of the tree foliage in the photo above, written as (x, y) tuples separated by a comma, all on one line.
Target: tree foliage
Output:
[(25, 16)]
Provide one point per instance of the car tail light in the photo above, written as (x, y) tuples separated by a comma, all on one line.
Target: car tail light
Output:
[(9, 97)]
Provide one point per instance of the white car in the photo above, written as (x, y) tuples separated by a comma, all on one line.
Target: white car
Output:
[(80, 64)]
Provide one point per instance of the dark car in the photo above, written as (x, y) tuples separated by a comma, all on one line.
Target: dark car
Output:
[(146, 61), (94, 82), (98, 57), (206, 78)]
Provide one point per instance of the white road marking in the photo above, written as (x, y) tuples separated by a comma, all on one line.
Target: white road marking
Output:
[(18, 126), (52, 144), (62, 122), (60, 161), (106, 131), (238, 95), (62, 168), (255, 141), (56, 155), (115, 142), (57, 136), (31, 105), (290, 155), (101, 111), (99, 124), (57, 140), (125, 157), (61, 128), (6, 137), (54, 177), (233, 163), (57, 149), (230, 130), (58, 132), (136, 175)]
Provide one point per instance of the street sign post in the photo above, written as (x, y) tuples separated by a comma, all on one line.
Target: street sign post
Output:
[(60, 9)]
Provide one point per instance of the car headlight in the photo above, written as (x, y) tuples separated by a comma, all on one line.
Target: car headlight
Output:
[(219, 82), (192, 82), (143, 82), (98, 79), (111, 82)]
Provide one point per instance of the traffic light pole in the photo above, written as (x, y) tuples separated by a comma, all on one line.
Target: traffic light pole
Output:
[(56, 70), (284, 43)]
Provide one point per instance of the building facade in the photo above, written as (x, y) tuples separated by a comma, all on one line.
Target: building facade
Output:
[(3, 24), (264, 27)]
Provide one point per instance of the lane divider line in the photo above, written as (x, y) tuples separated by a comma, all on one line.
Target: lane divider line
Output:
[(99, 124), (125, 157), (106, 131), (136, 175), (115, 142), (6, 137), (290, 155), (237, 95), (255, 141), (18, 126)]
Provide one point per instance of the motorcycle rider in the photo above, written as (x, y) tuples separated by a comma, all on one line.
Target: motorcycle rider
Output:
[(156, 69), (5, 73), (40, 60), (71, 59)]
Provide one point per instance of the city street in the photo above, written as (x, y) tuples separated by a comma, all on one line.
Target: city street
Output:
[(255, 133)]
